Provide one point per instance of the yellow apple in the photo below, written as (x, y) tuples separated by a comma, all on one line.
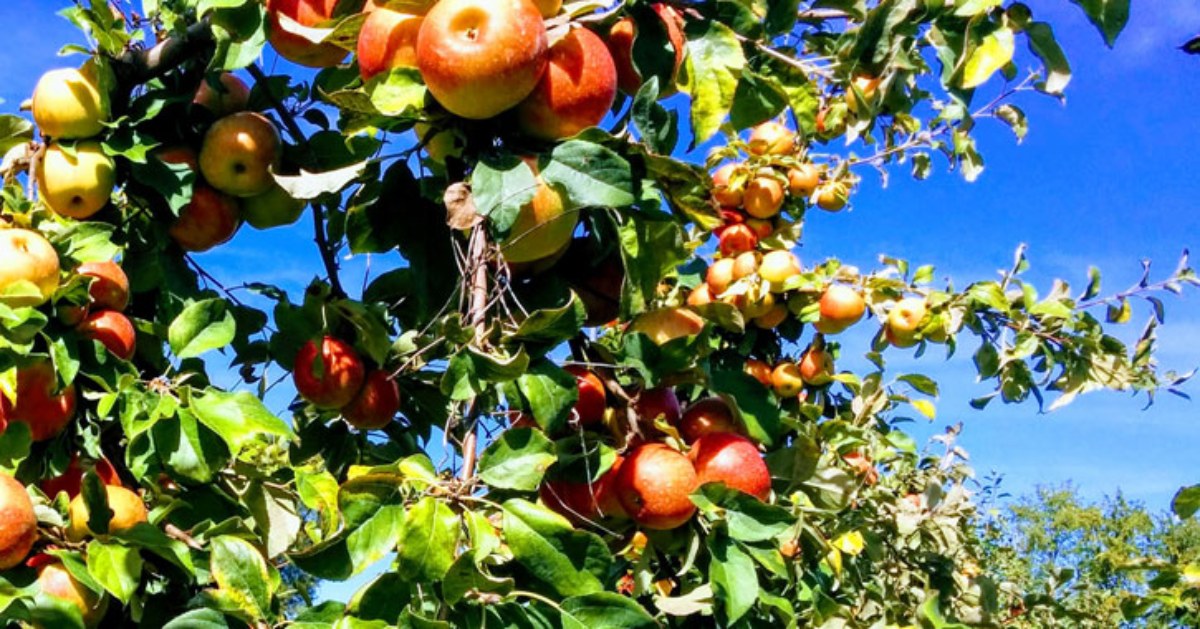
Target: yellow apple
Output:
[(904, 321), (273, 208), (667, 324), (68, 103), (238, 153), (543, 227), (76, 183), (26, 255)]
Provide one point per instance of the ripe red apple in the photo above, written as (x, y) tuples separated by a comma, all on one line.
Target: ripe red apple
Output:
[(209, 219), (178, 155), (721, 275), (786, 380), (653, 487), (388, 40), (731, 459), (771, 138), (841, 307), (597, 278), (576, 90), (376, 404), (76, 183), (113, 330), (26, 255), (760, 371), (18, 524), (737, 239), (707, 416), (68, 103), (589, 408), (482, 57), (328, 375), (46, 412), (728, 187), (127, 507), (667, 324), (620, 44), (110, 286), (763, 227), (54, 580), (763, 197), (295, 48), (71, 480), (229, 95), (862, 466), (544, 226), (238, 153), (654, 403), (584, 502), (816, 366), (904, 321), (803, 180)]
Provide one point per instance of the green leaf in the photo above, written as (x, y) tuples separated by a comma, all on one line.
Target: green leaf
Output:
[(202, 326), (1109, 16), (241, 576), (239, 418), (591, 175), (14, 130), (659, 126), (649, 250), (517, 460), (747, 518), (1186, 502), (993, 53), (1043, 44), (760, 414), (310, 186), (118, 568), (604, 610), (372, 509), (275, 516), (551, 393), (501, 185), (188, 450), (567, 561), (397, 92), (553, 325), (198, 619), (714, 65), (734, 580), (428, 541), (465, 577)]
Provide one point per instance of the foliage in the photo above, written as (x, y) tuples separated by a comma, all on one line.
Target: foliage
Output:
[(447, 501)]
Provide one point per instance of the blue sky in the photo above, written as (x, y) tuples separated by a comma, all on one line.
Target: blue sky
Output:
[(1107, 179)]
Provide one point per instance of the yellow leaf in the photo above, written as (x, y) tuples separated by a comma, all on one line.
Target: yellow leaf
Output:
[(993, 53), (926, 408), (851, 543)]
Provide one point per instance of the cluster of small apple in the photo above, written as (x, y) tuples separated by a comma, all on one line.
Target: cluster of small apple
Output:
[(330, 374), (669, 454), (19, 531), (232, 170)]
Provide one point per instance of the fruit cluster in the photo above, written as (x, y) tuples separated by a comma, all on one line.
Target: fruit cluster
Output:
[(329, 374), (651, 482)]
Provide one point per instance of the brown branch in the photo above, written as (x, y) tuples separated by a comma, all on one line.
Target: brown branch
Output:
[(293, 129), (477, 315), (139, 65)]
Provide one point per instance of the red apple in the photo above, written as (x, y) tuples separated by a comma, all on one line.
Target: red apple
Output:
[(759, 370), (803, 180), (18, 524), (388, 40), (763, 197), (481, 57), (728, 188), (71, 480), (209, 219), (576, 90), (816, 366), (113, 330), (46, 411), (654, 486), (707, 416), (771, 138), (841, 307), (583, 502), (110, 286), (229, 95), (296, 48), (238, 153), (328, 376), (731, 459), (376, 404), (589, 409), (654, 403), (55, 581), (620, 44), (736, 240)]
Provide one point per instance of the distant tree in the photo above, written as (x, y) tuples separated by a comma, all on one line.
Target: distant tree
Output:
[(1105, 564)]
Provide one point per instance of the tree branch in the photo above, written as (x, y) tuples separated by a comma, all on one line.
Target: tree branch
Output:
[(476, 314), (139, 65), (293, 129)]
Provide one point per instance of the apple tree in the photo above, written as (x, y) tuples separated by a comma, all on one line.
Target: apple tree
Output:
[(592, 384)]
